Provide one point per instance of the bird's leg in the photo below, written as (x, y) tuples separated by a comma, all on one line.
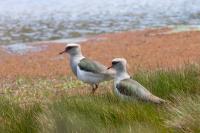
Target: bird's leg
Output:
[(94, 88)]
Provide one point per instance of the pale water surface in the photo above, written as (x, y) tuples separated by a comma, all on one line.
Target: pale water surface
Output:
[(35, 20)]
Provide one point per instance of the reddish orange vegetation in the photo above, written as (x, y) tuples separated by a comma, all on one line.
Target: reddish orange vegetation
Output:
[(147, 49)]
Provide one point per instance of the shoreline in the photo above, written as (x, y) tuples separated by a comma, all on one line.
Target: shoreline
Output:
[(148, 49)]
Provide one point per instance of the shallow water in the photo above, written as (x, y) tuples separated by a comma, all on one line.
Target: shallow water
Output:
[(21, 48), (27, 20)]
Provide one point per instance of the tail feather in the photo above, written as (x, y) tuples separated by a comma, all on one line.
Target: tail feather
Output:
[(110, 74), (156, 99)]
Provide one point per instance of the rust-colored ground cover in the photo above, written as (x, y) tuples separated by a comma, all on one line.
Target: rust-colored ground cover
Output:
[(145, 49)]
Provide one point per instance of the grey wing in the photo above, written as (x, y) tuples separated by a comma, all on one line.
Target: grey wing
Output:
[(131, 87), (91, 66)]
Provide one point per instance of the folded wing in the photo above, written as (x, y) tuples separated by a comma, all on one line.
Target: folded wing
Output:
[(132, 88), (91, 66)]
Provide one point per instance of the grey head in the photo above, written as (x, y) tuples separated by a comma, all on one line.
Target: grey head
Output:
[(72, 49), (119, 64)]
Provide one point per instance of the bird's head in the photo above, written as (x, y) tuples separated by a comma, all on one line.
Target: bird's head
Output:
[(119, 64), (72, 49)]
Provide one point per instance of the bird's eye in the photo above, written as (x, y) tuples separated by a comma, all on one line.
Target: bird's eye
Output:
[(68, 48), (114, 62)]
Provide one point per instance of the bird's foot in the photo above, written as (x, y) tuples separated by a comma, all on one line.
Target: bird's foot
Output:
[(94, 88)]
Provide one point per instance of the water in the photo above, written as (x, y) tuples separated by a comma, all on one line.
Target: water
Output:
[(21, 48), (36, 20)]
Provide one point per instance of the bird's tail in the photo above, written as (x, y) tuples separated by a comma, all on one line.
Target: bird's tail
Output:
[(156, 99)]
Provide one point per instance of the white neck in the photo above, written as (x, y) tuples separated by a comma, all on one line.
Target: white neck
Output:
[(78, 55), (121, 75), (75, 58)]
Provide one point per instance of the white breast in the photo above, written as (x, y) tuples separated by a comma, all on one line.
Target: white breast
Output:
[(89, 77), (74, 60)]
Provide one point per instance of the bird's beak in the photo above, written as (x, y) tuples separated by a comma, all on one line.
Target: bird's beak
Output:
[(109, 67), (62, 52)]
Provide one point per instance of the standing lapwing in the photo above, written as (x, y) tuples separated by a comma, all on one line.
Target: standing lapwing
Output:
[(86, 70), (126, 88)]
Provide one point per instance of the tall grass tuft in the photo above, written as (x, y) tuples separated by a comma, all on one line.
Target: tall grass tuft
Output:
[(16, 119), (105, 113), (184, 115), (166, 82)]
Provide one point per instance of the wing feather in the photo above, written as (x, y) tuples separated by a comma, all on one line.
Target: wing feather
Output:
[(131, 87), (91, 66)]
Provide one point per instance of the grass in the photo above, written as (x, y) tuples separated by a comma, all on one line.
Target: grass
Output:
[(45, 105), (13, 118), (185, 115), (104, 113)]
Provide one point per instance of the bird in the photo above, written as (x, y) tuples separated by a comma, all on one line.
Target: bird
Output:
[(87, 70), (127, 88)]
